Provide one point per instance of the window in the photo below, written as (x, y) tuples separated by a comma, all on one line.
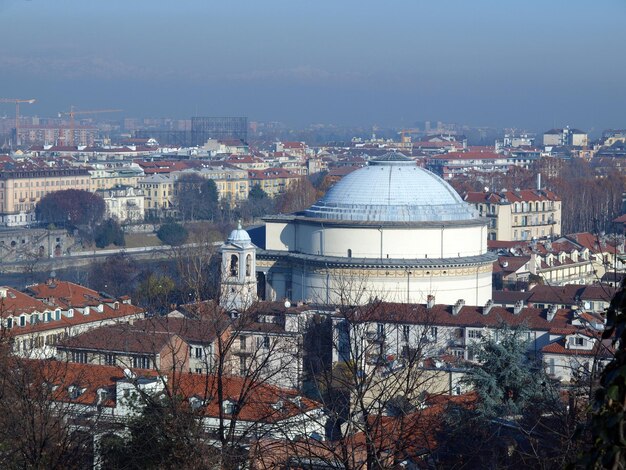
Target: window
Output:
[(198, 353), (141, 362), (242, 342), (380, 329), (228, 407), (234, 265), (266, 342), (79, 356), (249, 265), (243, 367), (349, 253), (109, 359), (433, 332), (406, 329), (9, 323), (579, 341), (198, 371), (475, 334)]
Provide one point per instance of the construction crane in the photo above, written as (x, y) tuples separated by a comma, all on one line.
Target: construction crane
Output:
[(71, 113), (17, 102)]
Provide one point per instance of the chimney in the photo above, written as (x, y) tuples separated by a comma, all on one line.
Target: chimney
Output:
[(488, 306), (430, 301), (456, 308), (551, 312), (517, 308)]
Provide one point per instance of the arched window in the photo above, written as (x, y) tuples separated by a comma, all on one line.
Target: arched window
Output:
[(349, 253), (234, 265), (249, 265)]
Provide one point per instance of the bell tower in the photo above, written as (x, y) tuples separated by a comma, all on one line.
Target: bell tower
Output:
[(238, 273)]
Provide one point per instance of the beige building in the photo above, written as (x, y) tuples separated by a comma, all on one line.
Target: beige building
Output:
[(273, 181), (23, 184), (107, 177), (158, 190), (232, 183), (519, 215)]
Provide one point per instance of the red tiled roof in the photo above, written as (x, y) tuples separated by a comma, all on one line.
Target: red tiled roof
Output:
[(532, 318), (271, 173), (600, 349), (120, 339), (14, 303), (65, 294)]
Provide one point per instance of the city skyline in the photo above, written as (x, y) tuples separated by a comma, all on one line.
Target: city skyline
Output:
[(484, 64)]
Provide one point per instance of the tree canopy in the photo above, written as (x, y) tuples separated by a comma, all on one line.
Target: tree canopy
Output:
[(71, 207), (517, 420), (172, 234), (196, 198), (108, 233)]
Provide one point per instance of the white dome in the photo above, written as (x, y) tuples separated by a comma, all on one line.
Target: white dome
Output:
[(239, 236), (392, 188)]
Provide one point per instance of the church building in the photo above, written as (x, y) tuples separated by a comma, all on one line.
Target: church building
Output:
[(390, 231)]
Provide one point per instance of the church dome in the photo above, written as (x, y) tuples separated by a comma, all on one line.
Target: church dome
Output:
[(392, 188), (239, 236)]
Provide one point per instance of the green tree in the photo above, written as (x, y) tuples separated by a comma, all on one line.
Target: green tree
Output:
[(162, 436), (196, 198), (608, 424), (71, 207), (154, 293), (172, 234), (257, 193), (109, 232), (257, 205), (517, 420)]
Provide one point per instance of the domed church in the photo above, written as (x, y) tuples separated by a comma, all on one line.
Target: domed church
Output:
[(391, 231)]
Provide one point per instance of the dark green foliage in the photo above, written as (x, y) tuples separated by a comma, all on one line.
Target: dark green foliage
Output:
[(70, 207), (517, 419), (506, 381), (154, 293), (257, 205), (257, 193), (608, 425), (172, 234), (163, 436), (109, 232), (196, 198)]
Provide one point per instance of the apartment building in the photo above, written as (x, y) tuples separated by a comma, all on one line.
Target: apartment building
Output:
[(231, 182), (36, 320), (520, 214), (107, 176), (273, 181), (23, 184), (158, 190)]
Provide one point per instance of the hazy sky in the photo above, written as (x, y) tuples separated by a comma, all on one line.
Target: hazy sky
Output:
[(532, 64)]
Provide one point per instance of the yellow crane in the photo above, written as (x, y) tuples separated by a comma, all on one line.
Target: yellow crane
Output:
[(17, 102), (72, 112)]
